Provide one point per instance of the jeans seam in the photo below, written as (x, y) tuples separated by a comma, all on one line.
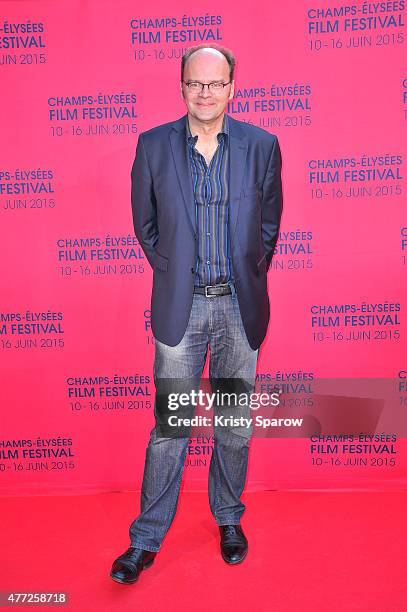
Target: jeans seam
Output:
[(179, 478), (178, 486), (217, 479)]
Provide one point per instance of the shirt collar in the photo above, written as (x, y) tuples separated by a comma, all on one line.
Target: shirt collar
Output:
[(224, 131)]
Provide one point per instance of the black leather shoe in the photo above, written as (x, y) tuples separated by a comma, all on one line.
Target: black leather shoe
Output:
[(127, 568), (233, 543)]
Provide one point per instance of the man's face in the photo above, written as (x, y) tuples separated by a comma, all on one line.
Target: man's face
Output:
[(207, 66)]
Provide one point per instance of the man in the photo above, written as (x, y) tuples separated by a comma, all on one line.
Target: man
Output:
[(207, 202)]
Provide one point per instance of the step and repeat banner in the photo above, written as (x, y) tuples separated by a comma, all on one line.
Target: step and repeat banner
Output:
[(80, 80)]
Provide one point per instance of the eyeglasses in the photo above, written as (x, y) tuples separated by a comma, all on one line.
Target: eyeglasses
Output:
[(197, 87)]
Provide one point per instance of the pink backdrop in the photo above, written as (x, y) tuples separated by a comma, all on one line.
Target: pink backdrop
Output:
[(80, 80)]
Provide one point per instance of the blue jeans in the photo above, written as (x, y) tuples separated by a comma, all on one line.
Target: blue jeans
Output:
[(215, 322)]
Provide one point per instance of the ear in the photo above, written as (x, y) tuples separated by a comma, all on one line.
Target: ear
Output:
[(232, 90), (181, 90)]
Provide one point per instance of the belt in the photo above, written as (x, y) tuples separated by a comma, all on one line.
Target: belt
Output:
[(213, 290)]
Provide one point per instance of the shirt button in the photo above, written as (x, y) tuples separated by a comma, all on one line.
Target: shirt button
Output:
[(208, 233), (208, 262)]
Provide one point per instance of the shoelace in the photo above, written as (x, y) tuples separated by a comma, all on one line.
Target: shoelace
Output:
[(232, 535), (132, 551)]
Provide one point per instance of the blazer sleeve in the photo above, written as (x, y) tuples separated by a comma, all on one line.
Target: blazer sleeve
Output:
[(143, 203), (272, 204)]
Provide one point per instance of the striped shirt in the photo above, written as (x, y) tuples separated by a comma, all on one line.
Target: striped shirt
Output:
[(211, 195)]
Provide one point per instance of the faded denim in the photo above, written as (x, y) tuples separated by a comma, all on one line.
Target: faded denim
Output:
[(214, 323)]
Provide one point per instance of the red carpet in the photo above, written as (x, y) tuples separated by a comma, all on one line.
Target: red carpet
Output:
[(307, 551)]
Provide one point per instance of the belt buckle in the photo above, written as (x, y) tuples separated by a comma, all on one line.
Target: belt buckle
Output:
[(209, 286)]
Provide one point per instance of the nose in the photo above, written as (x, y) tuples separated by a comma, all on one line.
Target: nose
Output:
[(205, 92)]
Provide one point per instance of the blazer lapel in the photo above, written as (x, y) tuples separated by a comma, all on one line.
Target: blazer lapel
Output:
[(237, 161), (179, 151)]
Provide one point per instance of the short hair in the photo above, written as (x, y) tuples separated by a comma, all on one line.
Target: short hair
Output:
[(231, 60)]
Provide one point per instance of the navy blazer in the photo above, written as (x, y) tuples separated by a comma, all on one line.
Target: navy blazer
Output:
[(164, 222)]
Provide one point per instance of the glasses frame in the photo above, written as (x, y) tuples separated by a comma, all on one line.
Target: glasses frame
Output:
[(187, 83)]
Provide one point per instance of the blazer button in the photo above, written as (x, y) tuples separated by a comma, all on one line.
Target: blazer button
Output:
[(192, 270)]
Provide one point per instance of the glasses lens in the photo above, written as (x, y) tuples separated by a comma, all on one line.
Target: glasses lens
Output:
[(196, 87), (192, 86)]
